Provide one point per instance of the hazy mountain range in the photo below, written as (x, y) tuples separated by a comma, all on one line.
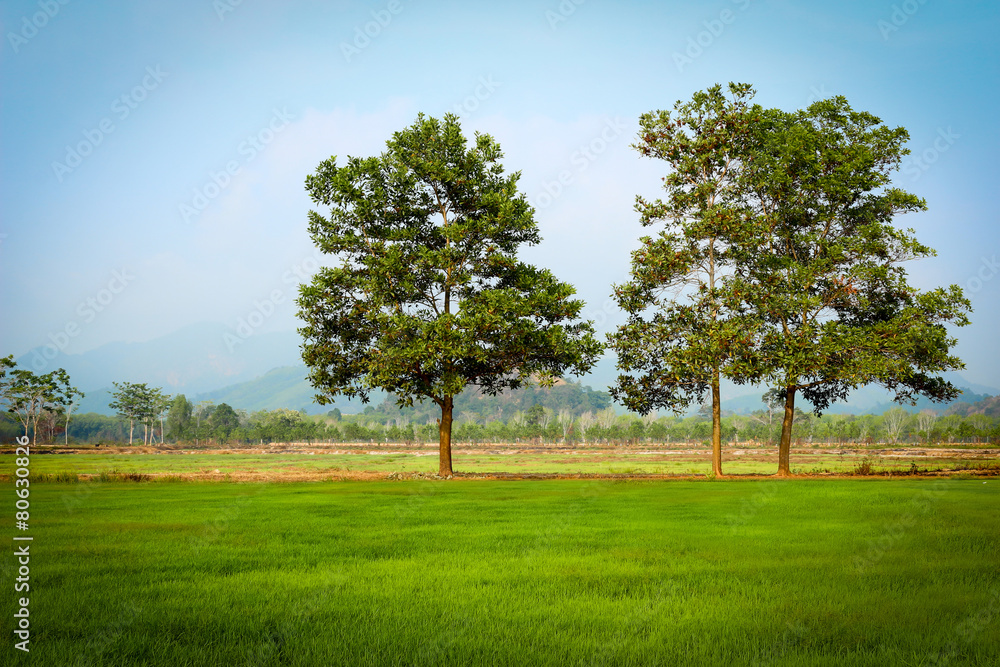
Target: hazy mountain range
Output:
[(264, 371)]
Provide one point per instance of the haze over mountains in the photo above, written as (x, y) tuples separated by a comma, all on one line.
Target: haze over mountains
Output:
[(211, 361)]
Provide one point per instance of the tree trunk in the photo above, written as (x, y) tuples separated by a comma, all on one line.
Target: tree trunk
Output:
[(716, 426), (131, 429), (786, 433), (444, 434)]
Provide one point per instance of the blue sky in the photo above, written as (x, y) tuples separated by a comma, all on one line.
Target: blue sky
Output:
[(152, 156)]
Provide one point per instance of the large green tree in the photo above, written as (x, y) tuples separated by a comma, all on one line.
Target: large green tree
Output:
[(685, 325), (224, 421), (127, 403), (822, 266), (138, 402), (179, 417), (428, 294)]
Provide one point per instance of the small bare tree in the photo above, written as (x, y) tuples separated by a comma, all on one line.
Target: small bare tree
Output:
[(606, 417), (979, 423), (585, 421), (565, 421), (738, 422), (892, 422), (544, 419), (925, 422), (864, 432)]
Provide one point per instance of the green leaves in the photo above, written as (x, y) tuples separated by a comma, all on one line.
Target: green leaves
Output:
[(778, 261), (136, 401), (686, 322), (821, 266), (427, 294), (839, 312), (29, 396)]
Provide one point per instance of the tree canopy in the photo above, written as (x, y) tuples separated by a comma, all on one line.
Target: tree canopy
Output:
[(32, 398), (780, 263), (142, 403), (428, 294), (821, 265), (684, 319)]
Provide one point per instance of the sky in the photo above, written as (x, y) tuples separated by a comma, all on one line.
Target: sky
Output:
[(153, 154)]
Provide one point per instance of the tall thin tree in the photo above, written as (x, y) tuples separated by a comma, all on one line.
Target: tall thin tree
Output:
[(683, 328)]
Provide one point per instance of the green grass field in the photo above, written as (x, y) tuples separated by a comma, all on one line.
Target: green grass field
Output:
[(554, 572), (334, 462)]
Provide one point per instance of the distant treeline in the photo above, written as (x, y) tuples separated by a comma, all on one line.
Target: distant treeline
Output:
[(222, 425), (473, 405)]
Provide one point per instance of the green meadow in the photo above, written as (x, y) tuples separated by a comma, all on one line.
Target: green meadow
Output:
[(548, 572), (507, 459)]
